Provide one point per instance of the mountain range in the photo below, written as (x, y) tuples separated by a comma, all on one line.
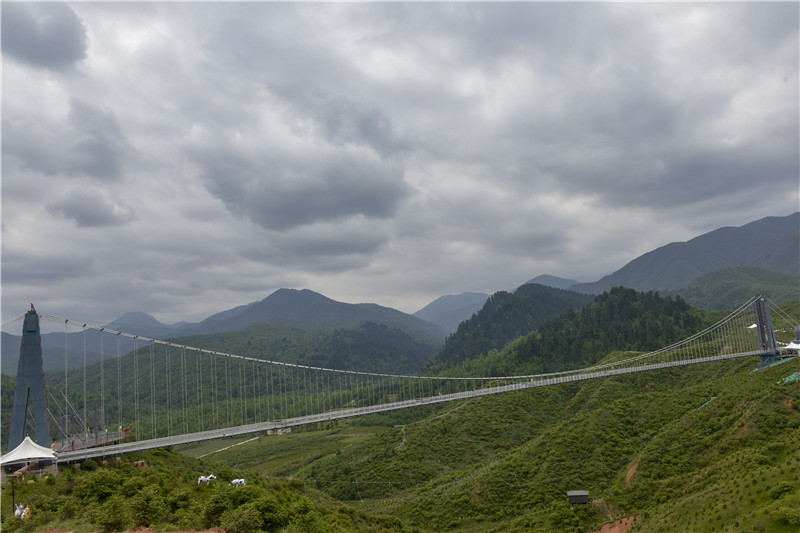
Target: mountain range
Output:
[(772, 243), (713, 270), (284, 306)]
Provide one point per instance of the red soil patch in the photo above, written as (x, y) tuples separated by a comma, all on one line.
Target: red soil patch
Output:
[(623, 525), (788, 402), (744, 429), (632, 471)]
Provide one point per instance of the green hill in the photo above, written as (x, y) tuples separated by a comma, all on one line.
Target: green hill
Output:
[(690, 449), (504, 317), (621, 319)]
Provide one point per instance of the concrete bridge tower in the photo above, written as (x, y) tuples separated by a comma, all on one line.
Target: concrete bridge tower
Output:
[(30, 386)]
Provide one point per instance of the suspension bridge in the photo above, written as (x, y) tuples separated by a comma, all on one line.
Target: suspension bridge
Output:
[(164, 393)]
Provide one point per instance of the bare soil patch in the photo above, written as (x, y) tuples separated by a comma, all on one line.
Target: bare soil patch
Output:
[(632, 470), (623, 525)]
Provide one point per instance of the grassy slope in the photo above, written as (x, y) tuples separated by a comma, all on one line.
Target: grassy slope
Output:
[(714, 446)]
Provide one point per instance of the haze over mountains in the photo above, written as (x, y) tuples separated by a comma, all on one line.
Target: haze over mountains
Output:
[(712, 270)]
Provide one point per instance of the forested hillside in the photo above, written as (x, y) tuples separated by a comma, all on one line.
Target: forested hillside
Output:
[(621, 319), (706, 448), (504, 317)]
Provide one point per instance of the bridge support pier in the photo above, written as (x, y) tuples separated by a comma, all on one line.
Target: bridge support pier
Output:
[(766, 334), (30, 386)]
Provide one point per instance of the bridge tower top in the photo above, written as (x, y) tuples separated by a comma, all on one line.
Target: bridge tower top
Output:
[(29, 386)]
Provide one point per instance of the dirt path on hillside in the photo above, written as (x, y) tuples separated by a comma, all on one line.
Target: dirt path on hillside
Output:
[(632, 470), (623, 525)]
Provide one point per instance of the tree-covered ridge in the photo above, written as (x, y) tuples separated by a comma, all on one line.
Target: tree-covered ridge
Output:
[(504, 317), (369, 347), (621, 319)]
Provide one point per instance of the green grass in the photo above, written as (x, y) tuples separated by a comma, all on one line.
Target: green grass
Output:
[(715, 445)]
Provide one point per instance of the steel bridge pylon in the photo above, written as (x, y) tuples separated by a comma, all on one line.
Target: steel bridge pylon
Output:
[(29, 386), (766, 334)]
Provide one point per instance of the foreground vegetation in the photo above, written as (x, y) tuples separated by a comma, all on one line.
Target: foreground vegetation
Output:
[(707, 448), (159, 489)]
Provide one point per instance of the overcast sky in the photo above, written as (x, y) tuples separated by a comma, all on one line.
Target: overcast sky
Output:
[(182, 159)]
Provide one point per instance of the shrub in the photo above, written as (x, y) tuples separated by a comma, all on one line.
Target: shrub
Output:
[(148, 507), (68, 509), (114, 516), (244, 519), (788, 516), (98, 486), (782, 488), (132, 485), (273, 515)]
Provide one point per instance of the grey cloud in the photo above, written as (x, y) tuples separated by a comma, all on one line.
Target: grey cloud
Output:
[(344, 121), (88, 143), (100, 146), (324, 248), (281, 193), (90, 209), (47, 35), (48, 269), (296, 62)]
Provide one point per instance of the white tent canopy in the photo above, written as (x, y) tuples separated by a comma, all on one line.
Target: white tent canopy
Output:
[(27, 451)]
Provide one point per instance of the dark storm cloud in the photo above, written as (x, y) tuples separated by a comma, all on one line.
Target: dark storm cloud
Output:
[(90, 209), (281, 193), (46, 35)]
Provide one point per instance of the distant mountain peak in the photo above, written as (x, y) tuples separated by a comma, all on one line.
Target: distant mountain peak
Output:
[(552, 281), (135, 318), (449, 311)]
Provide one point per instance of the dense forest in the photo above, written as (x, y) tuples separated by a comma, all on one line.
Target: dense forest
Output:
[(504, 317), (619, 320)]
